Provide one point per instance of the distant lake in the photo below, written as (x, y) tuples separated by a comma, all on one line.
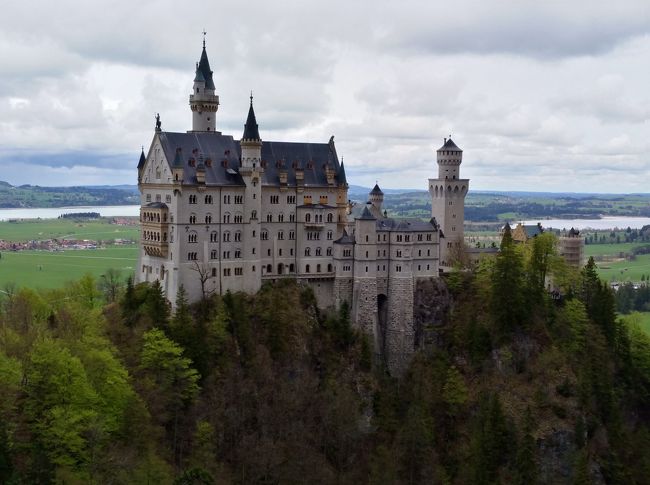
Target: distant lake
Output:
[(54, 212), (604, 223)]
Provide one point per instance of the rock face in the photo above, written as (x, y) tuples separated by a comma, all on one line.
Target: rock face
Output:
[(431, 305)]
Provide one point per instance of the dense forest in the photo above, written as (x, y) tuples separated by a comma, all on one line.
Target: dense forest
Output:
[(102, 383)]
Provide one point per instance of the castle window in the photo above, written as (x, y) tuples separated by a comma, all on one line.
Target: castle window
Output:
[(208, 218), (419, 267), (214, 272), (291, 199), (318, 251), (279, 251), (226, 217), (239, 218), (307, 217), (226, 236), (306, 268), (307, 252), (428, 252), (239, 271), (329, 268), (398, 253), (280, 217), (407, 238), (280, 235), (428, 237), (292, 235), (268, 252), (329, 251), (214, 254), (264, 235), (269, 217), (253, 269), (226, 199), (238, 236), (419, 252), (192, 256), (366, 269), (366, 254), (237, 253), (192, 199), (208, 199), (275, 199), (148, 197), (330, 217), (427, 266), (292, 217), (193, 219), (239, 199), (168, 199), (192, 237), (226, 255), (226, 271), (292, 268), (398, 268), (254, 215)]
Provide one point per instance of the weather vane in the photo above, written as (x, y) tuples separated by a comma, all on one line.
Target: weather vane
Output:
[(204, 32)]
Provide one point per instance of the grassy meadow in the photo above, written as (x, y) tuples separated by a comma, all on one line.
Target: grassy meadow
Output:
[(51, 269), (43, 229), (48, 269)]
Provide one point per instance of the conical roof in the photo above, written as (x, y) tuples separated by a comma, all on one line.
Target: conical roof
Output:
[(376, 190), (142, 161), (206, 72), (340, 176), (251, 130), (450, 146), (366, 215)]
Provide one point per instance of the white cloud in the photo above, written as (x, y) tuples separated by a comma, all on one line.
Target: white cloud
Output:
[(546, 96)]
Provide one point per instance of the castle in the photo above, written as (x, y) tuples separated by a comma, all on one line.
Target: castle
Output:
[(219, 214)]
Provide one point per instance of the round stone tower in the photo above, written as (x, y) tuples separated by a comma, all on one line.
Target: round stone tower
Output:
[(448, 193), (203, 102)]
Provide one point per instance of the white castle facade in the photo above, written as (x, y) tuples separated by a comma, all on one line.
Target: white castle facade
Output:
[(219, 214)]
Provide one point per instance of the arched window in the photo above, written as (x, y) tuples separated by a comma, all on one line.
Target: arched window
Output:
[(318, 250), (307, 217), (269, 268), (330, 217), (306, 268), (214, 237), (329, 268), (292, 268), (280, 268), (254, 215), (208, 218), (192, 218), (318, 268), (307, 252)]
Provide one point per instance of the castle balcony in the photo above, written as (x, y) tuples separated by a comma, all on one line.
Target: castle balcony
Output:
[(314, 225), (156, 248)]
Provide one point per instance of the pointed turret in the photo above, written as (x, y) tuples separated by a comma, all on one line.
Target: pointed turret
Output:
[(340, 176), (204, 69), (203, 102), (251, 129), (143, 159), (376, 201), (251, 143)]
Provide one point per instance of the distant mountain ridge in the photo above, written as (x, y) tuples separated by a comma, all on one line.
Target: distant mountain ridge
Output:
[(26, 196)]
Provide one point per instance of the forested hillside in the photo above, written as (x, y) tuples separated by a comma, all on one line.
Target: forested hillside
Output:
[(516, 386), (36, 196)]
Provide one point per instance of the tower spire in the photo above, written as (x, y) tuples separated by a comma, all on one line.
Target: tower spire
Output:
[(251, 129)]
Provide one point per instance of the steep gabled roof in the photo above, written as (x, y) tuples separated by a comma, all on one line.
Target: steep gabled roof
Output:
[(345, 238), (340, 176)]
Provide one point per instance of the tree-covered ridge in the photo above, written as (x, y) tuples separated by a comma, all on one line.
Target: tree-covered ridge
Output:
[(36, 196), (519, 385)]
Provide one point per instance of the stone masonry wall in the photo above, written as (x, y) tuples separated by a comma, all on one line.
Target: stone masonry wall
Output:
[(400, 332)]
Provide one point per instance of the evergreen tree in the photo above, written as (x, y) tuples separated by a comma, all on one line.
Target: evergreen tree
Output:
[(526, 471), (508, 305)]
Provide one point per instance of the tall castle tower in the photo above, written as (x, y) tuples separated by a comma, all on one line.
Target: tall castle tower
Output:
[(203, 102), (448, 193)]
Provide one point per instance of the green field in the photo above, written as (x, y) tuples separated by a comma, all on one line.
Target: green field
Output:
[(613, 250), (625, 270), (66, 229), (46, 269)]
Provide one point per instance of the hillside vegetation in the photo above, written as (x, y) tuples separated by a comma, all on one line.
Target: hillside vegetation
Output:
[(36, 196), (104, 384)]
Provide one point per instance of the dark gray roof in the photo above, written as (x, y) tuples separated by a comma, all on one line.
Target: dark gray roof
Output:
[(199, 75), (156, 205), (450, 146), (533, 230), (376, 190), (204, 67), (251, 131), (340, 176), (405, 225), (217, 148), (345, 238), (366, 215), (573, 232), (142, 160)]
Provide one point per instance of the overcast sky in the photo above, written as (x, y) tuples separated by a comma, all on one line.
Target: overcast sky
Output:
[(541, 95)]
